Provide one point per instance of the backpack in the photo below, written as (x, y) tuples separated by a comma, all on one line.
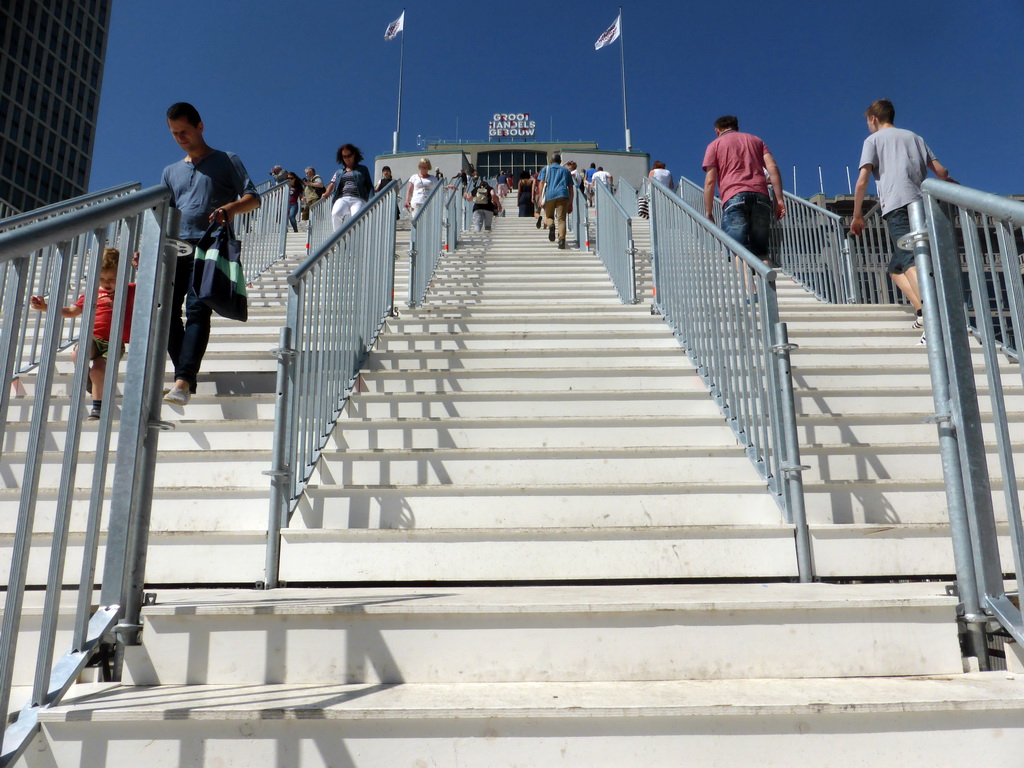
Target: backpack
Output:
[(482, 195)]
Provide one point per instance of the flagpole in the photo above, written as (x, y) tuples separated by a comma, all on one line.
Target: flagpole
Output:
[(401, 71), (622, 54)]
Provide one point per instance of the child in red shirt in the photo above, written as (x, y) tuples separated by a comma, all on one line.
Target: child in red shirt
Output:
[(101, 323)]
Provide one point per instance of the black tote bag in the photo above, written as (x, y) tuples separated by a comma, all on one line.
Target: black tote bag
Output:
[(217, 275)]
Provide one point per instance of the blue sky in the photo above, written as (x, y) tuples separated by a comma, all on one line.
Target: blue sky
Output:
[(287, 82)]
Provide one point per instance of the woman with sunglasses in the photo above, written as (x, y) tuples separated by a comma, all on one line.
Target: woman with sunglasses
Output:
[(350, 187)]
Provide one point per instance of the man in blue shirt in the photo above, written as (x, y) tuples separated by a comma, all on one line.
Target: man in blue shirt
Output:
[(207, 185), (556, 186)]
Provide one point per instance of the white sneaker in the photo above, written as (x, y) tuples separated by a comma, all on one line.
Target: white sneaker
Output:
[(918, 323), (922, 342), (177, 396)]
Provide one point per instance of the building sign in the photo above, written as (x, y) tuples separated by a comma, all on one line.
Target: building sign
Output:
[(511, 125)]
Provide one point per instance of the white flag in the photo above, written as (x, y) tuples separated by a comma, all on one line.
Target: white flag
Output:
[(610, 35), (397, 26)]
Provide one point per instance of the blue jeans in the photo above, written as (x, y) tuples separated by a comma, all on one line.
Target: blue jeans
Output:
[(293, 210), (747, 218), (898, 223), (187, 341)]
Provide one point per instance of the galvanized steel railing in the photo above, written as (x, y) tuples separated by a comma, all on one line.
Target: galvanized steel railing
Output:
[(614, 243), (577, 220), (338, 301), (812, 246), (870, 255), (692, 194), (627, 195), (452, 218), (55, 402), (992, 305), (13, 220), (721, 303), (319, 227), (425, 245), (41, 275), (263, 231)]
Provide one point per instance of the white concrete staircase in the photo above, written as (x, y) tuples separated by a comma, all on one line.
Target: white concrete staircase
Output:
[(545, 548), (524, 425)]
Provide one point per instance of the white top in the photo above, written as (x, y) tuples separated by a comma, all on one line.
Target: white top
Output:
[(421, 188), (602, 176), (663, 175)]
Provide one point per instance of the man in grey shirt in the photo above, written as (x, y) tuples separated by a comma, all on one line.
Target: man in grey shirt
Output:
[(207, 185), (899, 160)]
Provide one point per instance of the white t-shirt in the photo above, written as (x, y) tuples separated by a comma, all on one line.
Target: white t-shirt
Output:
[(421, 188), (602, 176), (663, 175)]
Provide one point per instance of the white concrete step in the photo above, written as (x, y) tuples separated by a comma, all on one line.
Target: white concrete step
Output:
[(190, 556), (891, 550), (557, 382), (424, 324), (941, 720), (495, 466), (507, 404), (597, 358), (524, 432), (203, 469), (599, 505), (538, 554), (906, 461), (573, 634), (187, 435), (173, 510), (525, 342), (205, 405)]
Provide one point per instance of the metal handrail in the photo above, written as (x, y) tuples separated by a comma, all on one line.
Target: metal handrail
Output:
[(993, 246), (452, 219), (263, 231), (692, 194), (319, 227), (338, 301), (811, 246), (140, 219), (41, 276), (721, 303), (577, 219), (13, 221), (615, 243), (870, 255), (628, 196), (425, 245)]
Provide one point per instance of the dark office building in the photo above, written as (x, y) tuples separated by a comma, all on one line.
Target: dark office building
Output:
[(51, 68)]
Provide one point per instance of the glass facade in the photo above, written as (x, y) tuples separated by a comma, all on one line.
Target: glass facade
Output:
[(490, 164), (51, 68)]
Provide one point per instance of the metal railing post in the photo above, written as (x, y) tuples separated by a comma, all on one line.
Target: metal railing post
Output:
[(132, 489), (937, 301)]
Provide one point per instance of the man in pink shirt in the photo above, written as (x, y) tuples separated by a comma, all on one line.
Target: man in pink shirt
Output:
[(736, 162)]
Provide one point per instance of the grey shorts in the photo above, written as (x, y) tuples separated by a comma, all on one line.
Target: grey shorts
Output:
[(897, 222)]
